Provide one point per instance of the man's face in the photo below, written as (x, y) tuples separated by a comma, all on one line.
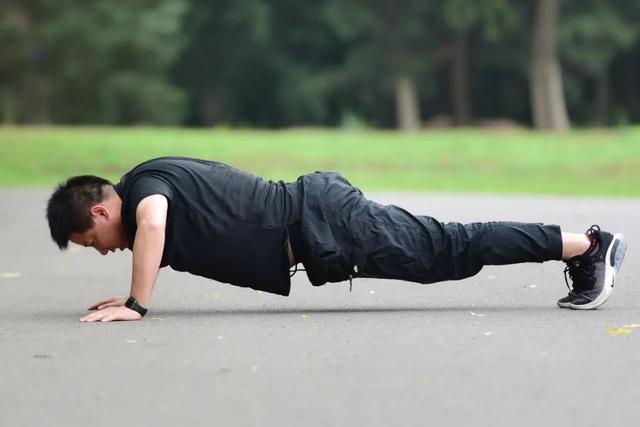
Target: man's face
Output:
[(106, 235)]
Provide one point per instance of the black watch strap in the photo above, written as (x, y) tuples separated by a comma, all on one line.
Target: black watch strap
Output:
[(132, 303)]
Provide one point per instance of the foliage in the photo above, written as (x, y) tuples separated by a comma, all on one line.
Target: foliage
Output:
[(596, 32), (79, 62), (278, 63)]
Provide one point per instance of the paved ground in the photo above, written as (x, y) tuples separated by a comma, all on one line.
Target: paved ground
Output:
[(491, 350)]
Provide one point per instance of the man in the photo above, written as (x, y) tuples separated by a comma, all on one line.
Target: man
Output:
[(213, 220)]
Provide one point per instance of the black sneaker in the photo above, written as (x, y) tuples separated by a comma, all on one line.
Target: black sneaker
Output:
[(594, 274)]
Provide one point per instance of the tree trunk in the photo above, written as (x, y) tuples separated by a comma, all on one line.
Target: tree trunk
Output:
[(208, 108), (407, 106), (42, 102), (8, 113), (547, 95), (632, 100), (460, 97), (602, 98)]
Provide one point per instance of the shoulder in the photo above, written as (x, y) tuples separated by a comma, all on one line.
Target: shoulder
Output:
[(134, 189)]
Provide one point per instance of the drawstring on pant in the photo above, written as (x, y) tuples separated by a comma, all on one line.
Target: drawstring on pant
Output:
[(295, 270), (354, 270)]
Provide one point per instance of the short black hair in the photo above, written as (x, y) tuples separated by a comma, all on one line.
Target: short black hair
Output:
[(69, 205)]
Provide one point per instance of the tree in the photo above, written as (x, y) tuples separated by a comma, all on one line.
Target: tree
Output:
[(92, 62), (592, 35), (268, 63), (23, 88), (388, 53), (547, 93), (489, 18)]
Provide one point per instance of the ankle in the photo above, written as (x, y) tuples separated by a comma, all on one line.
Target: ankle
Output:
[(574, 244), (593, 245)]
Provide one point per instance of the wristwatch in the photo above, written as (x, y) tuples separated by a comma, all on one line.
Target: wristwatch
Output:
[(132, 304)]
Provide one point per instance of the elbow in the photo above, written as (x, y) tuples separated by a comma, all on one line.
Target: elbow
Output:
[(152, 225)]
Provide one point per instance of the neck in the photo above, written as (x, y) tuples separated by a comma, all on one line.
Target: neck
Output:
[(112, 200), (114, 203)]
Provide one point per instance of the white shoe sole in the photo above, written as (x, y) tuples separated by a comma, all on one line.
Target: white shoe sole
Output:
[(612, 268)]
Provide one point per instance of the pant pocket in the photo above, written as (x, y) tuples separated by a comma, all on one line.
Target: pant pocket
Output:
[(328, 264), (388, 266)]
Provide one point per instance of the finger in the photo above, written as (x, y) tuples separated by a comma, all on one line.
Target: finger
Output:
[(111, 304), (116, 316), (105, 302), (87, 318), (90, 318), (98, 304), (96, 316)]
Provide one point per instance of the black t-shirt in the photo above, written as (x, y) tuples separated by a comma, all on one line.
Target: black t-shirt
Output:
[(222, 223)]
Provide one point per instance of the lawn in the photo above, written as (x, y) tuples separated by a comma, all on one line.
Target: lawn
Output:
[(582, 162)]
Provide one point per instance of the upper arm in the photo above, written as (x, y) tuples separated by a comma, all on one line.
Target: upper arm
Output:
[(152, 211), (149, 198)]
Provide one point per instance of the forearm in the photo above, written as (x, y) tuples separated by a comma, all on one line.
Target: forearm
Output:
[(147, 254)]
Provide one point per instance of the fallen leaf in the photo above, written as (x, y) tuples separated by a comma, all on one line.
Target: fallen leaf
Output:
[(486, 334), (531, 286), (157, 318), (632, 326), (619, 331), (372, 292), (304, 316), (491, 276), (215, 295), (254, 368), (131, 341), (476, 314), (10, 275), (221, 337)]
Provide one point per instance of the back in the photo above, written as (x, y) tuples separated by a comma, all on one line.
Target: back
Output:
[(222, 223)]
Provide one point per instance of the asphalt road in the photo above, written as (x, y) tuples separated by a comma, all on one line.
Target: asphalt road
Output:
[(488, 351)]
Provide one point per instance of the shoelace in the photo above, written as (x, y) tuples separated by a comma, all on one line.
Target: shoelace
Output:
[(593, 231), (581, 270)]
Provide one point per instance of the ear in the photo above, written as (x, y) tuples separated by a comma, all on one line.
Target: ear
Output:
[(99, 211)]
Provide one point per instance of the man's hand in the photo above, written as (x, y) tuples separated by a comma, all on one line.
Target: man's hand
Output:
[(112, 313), (109, 302)]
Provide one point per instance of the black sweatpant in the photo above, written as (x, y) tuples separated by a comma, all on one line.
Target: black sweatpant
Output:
[(391, 243), (343, 235)]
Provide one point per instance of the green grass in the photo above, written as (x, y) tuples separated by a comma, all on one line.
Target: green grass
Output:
[(585, 162)]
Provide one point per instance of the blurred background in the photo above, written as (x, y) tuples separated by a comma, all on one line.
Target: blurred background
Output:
[(433, 95)]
